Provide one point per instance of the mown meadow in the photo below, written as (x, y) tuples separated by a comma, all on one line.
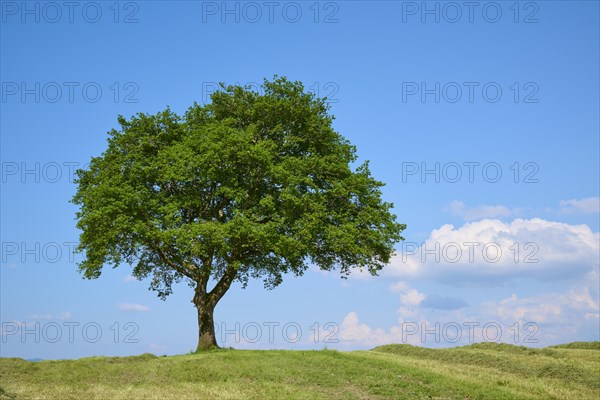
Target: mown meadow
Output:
[(478, 371)]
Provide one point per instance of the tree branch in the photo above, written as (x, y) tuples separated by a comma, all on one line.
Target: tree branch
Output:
[(222, 286), (181, 269)]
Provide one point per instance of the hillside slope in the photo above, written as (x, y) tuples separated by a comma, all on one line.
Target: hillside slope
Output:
[(481, 371)]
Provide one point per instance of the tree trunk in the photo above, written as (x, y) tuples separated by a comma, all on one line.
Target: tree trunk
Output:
[(205, 305), (206, 327)]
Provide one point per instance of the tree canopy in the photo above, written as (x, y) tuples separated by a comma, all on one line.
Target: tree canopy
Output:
[(250, 185)]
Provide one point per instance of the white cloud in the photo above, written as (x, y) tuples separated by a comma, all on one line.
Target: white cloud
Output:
[(588, 205), (559, 315), (400, 286), (61, 316), (538, 320), (496, 251), (539, 309), (157, 347), (353, 332), (133, 307), (559, 250), (459, 209), (412, 298), (129, 278)]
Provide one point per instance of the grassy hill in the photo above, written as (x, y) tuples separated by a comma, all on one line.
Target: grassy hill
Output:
[(479, 371)]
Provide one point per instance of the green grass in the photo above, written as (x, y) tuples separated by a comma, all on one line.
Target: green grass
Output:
[(479, 371), (579, 345)]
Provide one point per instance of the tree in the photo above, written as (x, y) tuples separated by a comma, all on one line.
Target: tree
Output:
[(251, 185)]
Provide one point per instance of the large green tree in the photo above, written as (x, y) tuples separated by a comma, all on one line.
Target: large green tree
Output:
[(251, 185)]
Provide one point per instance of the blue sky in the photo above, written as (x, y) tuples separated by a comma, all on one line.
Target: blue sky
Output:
[(440, 97)]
